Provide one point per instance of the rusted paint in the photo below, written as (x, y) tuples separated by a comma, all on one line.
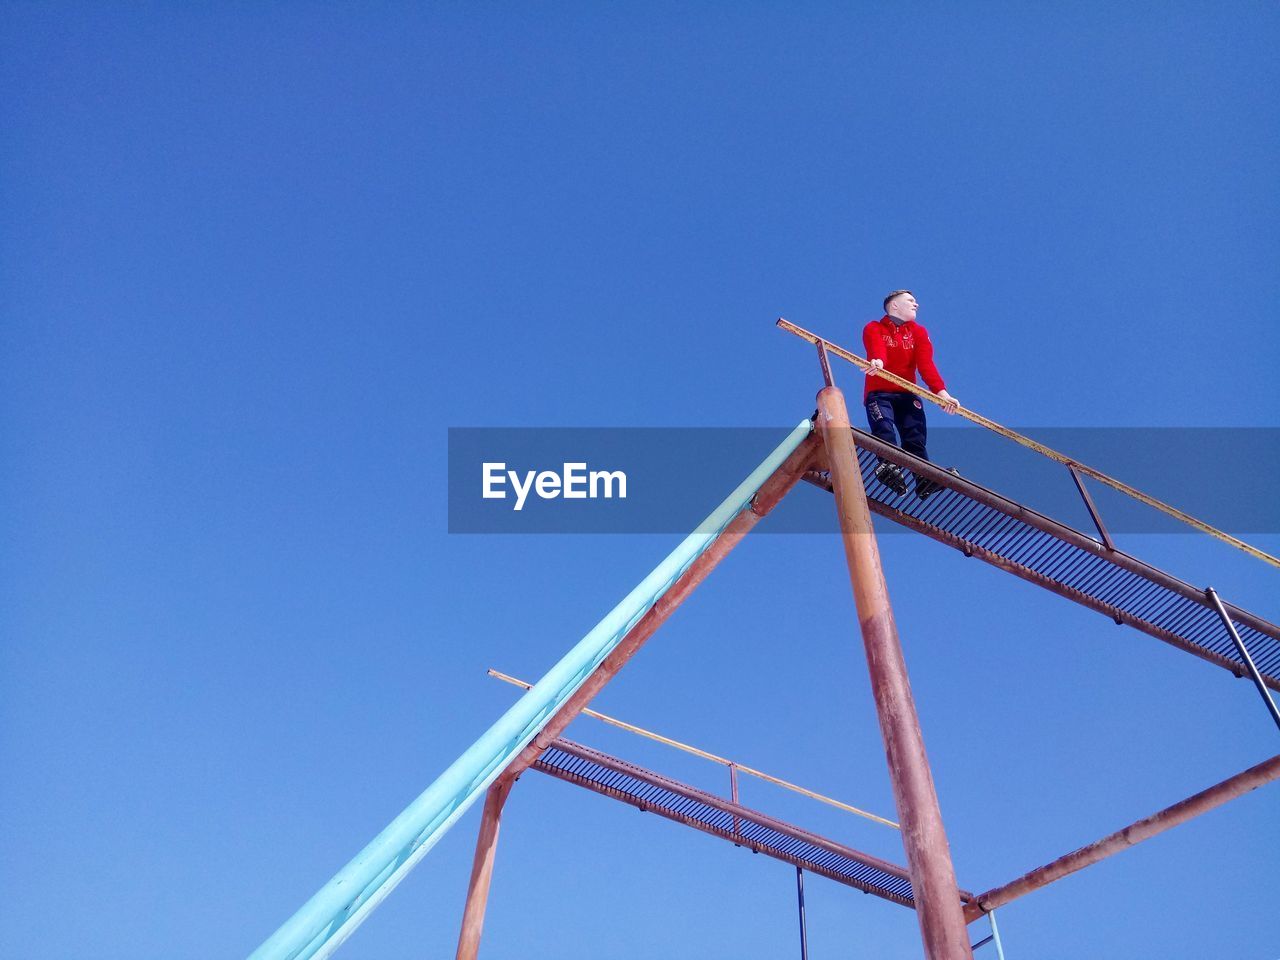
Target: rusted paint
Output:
[(1055, 529), (1151, 575), (1070, 593), (825, 362), (1181, 812), (734, 810), (482, 871), (933, 880), (771, 491)]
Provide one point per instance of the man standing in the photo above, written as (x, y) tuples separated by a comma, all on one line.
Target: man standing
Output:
[(900, 345)]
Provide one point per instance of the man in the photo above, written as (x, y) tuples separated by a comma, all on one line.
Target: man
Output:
[(898, 344)]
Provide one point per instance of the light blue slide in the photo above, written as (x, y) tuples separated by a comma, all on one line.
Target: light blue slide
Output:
[(329, 917)]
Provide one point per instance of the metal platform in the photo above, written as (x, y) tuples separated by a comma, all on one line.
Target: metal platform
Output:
[(653, 793), (981, 523)]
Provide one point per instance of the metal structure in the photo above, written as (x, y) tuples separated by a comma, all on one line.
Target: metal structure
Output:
[(653, 793), (732, 766), (964, 515), (980, 523), (942, 926)]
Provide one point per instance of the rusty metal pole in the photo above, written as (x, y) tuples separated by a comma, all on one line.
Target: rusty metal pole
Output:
[(933, 878), (769, 495), (482, 870), (1147, 827)]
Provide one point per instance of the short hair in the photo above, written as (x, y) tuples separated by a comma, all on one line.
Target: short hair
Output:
[(895, 293)]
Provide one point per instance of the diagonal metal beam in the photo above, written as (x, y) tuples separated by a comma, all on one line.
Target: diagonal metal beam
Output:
[(771, 492), (1244, 655), (782, 480), (1158, 822)]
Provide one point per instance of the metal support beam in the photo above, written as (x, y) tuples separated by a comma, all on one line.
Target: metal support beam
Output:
[(780, 482), (733, 795), (995, 935), (825, 362), (1069, 537), (767, 497), (761, 833), (933, 878), (981, 494), (1244, 655), (804, 933), (1181, 812), (482, 871), (1093, 510)]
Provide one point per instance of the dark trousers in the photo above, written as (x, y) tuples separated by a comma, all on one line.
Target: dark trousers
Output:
[(903, 411)]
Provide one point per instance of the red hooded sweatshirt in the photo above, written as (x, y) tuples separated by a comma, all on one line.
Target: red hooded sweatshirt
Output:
[(904, 349)]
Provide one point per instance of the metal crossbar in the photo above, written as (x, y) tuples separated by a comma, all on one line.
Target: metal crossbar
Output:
[(730, 821), (981, 523)]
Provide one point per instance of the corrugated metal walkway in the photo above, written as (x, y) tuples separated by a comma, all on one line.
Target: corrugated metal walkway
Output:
[(981, 523), (722, 818)]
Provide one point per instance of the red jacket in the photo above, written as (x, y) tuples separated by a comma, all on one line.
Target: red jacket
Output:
[(904, 349)]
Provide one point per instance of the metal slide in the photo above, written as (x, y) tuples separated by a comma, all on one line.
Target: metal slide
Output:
[(333, 913)]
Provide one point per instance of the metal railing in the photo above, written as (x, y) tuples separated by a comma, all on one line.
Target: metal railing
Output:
[(981, 523), (733, 766), (1076, 468), (651, 792)]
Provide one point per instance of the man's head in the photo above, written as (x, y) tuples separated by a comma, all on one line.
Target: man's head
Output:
[(901, 304)]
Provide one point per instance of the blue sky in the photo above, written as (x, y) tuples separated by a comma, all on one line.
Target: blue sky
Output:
[(257, 259)]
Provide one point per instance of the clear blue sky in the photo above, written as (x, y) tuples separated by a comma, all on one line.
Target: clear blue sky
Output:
[(257, 258)]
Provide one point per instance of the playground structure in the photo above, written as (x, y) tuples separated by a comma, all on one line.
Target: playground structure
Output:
[(826, 452)]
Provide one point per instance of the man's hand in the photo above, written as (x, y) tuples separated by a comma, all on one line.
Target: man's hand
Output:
[(949, 403), (877, 365)]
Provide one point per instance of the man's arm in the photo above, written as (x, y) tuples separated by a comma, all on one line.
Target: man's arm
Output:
[(929, 371), (873, 344)]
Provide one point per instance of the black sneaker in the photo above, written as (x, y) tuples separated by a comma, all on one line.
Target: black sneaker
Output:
[(891, 477), (926, 488)]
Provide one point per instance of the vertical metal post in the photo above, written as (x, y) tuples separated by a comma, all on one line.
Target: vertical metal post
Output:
[(1093, 510), (933, 878), (733, 795), (995, 935), (804, 933), (482, 870), (1244, 655), (825, 362)]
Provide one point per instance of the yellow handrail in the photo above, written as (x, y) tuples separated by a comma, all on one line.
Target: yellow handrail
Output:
[(711, 756), (1039, 448)]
